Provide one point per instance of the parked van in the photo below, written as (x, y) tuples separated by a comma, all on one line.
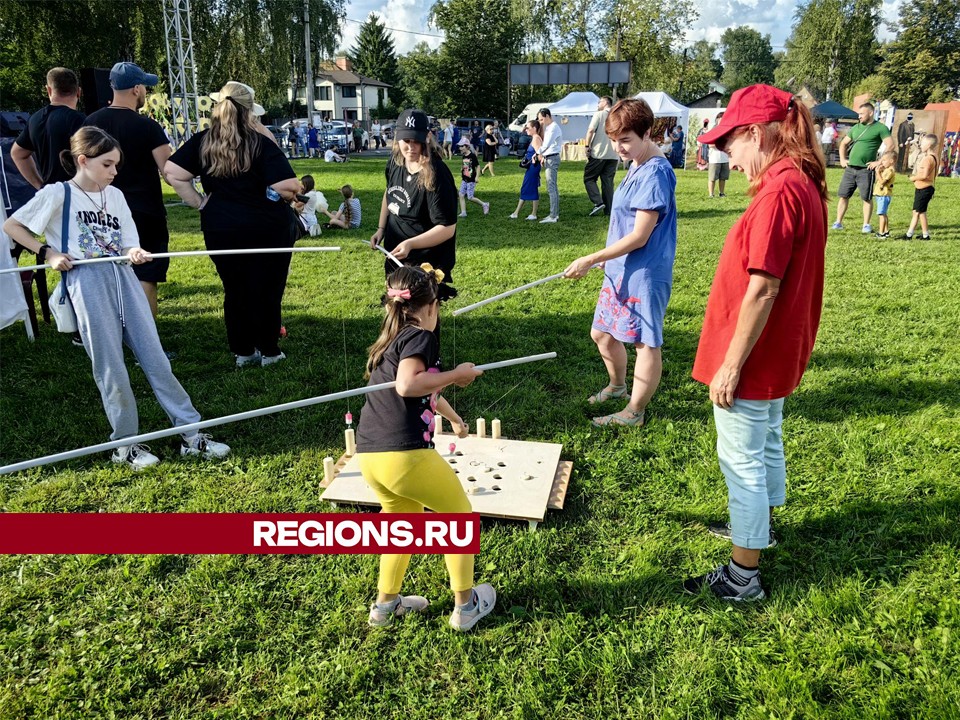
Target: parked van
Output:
[(528, 113)]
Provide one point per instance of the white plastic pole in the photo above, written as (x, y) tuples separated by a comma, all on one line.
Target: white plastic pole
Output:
[(248, 415), (182, 253), (388, 254), (506, 294)]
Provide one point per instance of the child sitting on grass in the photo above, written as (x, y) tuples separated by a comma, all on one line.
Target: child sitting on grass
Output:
[(924, 175), (307, 202), (347, 217), (883, 190)]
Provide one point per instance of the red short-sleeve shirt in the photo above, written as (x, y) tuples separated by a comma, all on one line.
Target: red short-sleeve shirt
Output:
[(783, 233)]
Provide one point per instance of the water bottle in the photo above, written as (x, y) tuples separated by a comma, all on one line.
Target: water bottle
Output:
[(273, 195)]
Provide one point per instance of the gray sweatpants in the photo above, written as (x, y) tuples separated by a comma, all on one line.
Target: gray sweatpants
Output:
[(552, 164), (112, 310)]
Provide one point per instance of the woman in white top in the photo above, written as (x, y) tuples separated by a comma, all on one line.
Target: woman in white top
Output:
[(448, 141)]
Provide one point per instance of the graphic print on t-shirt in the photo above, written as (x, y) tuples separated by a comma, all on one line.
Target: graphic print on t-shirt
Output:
[(99, 234), (468, 170)]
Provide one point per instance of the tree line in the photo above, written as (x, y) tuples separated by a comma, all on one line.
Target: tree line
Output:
[(834, 48)]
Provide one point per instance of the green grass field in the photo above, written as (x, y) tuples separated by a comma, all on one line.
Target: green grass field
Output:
[(864, 618)]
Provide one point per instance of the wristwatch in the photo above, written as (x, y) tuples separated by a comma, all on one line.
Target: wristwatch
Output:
[(42, 253)]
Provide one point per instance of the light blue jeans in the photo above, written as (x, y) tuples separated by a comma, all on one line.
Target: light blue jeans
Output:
[(552, 165), (750, 449)]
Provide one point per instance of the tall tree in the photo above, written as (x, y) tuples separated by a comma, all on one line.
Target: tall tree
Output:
[(699, 67), (747, 58), (650, 33), (833, 45), (923, 64), (482, 36), (424, 83), (374, 56), (256, 41)]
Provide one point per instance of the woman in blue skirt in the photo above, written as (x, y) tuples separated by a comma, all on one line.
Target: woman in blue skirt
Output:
[(530, 188)]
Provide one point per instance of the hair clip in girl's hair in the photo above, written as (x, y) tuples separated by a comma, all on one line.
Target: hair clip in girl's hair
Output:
[(430, 270), (398, 296)]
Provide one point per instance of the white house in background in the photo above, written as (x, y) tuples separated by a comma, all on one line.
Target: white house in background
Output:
[(342, 94)]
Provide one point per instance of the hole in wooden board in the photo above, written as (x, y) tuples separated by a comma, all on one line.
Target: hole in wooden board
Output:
[(453, 462), (498, 477), (495, 488), (501, 464), (458, 453), (471, 478)]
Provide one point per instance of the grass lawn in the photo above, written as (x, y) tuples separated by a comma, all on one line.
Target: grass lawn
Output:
[(864, 618)]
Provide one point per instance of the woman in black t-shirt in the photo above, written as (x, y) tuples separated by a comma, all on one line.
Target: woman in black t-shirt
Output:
[(491, 146), (418, 215), (395, 440), (247, 182)]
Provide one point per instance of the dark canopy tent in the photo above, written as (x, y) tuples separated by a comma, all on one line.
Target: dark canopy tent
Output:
[(835, 110)]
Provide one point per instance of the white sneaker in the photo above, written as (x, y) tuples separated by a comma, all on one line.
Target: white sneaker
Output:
[(271, 359), (530, 217), (486, 208), (866, 229), (382, 617), (247, 360), (485, 597), (549, 219), (513, 216), (462, 215), (203, 444), (138, 457)]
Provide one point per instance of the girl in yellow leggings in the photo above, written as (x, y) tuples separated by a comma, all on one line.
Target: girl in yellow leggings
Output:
[(395, 440)]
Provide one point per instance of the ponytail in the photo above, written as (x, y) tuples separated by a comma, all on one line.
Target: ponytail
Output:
[(409, 289), (91, 142), (794, 137)]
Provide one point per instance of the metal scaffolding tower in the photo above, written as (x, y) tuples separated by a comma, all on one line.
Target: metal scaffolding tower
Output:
[(184, 111)]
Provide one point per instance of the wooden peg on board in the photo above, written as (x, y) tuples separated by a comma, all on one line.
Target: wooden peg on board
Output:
[(481, 427), (495, 429), (350, 442), (328, 467)]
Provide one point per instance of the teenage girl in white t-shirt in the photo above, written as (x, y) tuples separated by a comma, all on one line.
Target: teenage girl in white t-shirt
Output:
[(111, 307)]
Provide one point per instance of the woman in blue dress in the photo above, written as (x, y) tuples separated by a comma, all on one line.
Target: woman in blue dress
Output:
[(530, 187), (637, 263), (679, 150)]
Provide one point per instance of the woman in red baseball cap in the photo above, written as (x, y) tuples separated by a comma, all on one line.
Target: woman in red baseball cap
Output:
[(762, 318)]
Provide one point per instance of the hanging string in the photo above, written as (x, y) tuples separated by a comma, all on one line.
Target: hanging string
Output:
[(346, 371)]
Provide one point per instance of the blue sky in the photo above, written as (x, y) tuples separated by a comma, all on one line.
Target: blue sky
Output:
[(773, 17)]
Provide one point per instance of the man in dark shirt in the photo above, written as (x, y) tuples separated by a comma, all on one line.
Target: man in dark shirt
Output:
[(145, 151), (36, 153)]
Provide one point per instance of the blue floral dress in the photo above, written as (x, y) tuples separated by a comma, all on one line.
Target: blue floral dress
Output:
[(636, 286)]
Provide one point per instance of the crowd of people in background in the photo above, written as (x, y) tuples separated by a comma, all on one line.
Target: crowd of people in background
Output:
[(762, 313)]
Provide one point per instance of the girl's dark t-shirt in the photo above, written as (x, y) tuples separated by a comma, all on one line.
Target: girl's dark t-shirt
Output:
[(389, 422), (411, 211), (240, 204), (468, 167)]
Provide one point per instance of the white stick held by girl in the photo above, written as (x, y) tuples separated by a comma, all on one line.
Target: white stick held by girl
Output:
[(111, 307)]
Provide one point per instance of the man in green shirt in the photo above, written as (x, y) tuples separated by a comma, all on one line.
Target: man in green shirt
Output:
[(863, 141)]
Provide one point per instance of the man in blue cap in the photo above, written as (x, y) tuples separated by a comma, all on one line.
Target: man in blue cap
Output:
[(145, 151)]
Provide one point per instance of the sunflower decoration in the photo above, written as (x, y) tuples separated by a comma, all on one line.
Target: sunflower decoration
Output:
[(204, 123), (204, 103)]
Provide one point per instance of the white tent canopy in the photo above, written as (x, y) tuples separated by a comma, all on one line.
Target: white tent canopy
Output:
[(665, 106), (574, 113)]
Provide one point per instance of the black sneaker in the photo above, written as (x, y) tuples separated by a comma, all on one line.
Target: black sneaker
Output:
[(597, 209), (906, 237), (76, 340), (723, 587), (722, 530), (924, 237)]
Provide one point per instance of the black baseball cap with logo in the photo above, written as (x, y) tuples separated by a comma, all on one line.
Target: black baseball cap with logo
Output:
[(412, 125)]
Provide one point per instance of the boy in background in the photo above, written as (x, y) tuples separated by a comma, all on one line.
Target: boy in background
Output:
[(468, 178), (886, 173), (924, 175)]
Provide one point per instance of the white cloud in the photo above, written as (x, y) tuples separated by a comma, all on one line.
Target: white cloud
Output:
[(401, 15)]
